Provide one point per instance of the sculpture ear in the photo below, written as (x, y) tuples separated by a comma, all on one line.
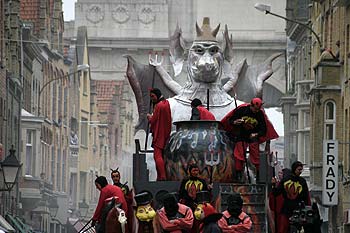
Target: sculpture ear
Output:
[(177, 50), (227, 46)]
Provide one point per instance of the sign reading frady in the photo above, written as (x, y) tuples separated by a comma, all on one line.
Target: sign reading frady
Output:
[(330, 173)]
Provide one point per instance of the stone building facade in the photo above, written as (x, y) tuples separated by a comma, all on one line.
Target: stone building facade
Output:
[(329, 106), (13, 73), (45, 116), (2, 81), (296, 102)]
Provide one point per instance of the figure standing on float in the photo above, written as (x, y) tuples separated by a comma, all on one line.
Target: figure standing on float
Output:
[(248, 125), (160, 125), (190, 186), (199, 112)]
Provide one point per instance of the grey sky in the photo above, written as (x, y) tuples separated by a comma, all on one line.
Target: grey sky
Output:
[(68, 9)]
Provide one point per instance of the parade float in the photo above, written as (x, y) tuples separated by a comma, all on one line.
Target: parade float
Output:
[(221, 85)]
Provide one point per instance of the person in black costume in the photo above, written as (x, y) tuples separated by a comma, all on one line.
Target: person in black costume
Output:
[(234, 219), (295, 193), (190, 186)]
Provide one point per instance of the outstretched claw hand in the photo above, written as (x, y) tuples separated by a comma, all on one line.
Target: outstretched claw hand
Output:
[(154, 61)]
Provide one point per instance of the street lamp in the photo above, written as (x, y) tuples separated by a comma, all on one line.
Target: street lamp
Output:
[(53, 208), (9, 171), (267, 10), (83, 208), (82, 67)]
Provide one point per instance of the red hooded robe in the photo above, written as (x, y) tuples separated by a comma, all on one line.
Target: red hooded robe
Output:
[(205, 114), (270, 130), (253, 146), (161, 124)]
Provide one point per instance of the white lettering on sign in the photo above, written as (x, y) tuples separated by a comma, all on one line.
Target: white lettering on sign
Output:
[(330, 173)]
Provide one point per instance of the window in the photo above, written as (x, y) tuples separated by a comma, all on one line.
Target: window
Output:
[(73, 184), (306, 119), (347, 49), (30, 155), (64, 170), (95, 136), (84, 131), (65, 105), (54, 101), (293, 122), (116, 141), (85, 75), (53, 173), (59, 102), (59, 174), (329, 120), (293, 144), (347, 139), (307, 148), (83, 183)]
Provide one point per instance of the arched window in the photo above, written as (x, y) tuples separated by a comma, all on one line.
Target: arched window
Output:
[(329, 120)]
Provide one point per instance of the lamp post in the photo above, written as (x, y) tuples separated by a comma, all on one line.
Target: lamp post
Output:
[(83, 208), (53, 208), (82, 67), (9, 171), (267, 10)]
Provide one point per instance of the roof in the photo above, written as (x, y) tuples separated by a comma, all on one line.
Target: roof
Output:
[(105, 90)]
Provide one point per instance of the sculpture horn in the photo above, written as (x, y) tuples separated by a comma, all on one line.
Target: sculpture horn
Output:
[(215, 31), (198, 30)]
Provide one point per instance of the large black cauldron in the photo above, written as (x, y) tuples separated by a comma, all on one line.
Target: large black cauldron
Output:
[(205, 144)]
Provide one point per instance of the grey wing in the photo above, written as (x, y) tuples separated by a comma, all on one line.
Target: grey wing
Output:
[(251, 79), (142, 78)]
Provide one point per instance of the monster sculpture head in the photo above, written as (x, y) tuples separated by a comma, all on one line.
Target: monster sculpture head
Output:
[(205, 58)]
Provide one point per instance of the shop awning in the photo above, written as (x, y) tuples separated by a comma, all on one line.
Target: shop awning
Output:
[(79, 226), (5, 226), (18, 224)]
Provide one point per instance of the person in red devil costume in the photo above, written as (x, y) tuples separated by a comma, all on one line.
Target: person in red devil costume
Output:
[(276, 202), (199, 112), (160, 125), (248, 125), (107, 191), (295, 193), (173, 217), (234, 220)]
